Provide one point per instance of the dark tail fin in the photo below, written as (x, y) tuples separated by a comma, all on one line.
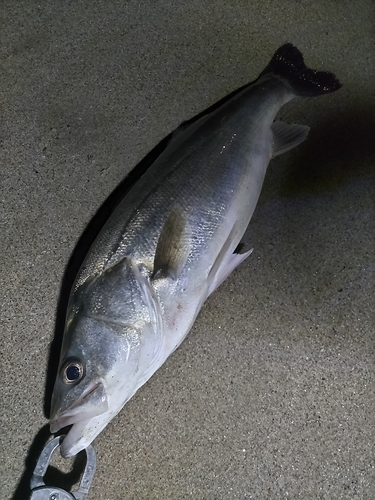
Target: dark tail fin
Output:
[(288, 63)]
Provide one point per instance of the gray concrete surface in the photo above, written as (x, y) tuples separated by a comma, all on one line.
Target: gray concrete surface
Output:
[(272, 394)]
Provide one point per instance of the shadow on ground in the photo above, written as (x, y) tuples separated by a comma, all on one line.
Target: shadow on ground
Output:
[(333, 146)]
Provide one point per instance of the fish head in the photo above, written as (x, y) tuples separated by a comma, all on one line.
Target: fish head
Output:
[(112, 344), (96, 378)]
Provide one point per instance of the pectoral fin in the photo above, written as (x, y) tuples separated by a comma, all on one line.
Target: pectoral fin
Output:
[(286, 137), (173, 246)]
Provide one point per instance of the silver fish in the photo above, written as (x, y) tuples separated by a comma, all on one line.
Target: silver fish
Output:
[(168, 245)]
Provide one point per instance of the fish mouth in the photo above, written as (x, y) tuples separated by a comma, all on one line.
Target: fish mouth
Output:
[(92, 402)]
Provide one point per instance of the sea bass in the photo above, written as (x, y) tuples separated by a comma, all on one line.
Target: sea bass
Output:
[(169, 244)]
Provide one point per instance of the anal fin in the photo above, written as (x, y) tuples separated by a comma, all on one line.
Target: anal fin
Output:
[(226, 267)]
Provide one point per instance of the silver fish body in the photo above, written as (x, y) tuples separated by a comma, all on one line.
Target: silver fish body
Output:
[(167, 246)]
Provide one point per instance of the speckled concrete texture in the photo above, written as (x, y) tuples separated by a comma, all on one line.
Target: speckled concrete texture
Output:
[(271, 396)]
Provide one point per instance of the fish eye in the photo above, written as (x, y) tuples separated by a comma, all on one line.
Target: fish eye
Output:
[(72, 371)]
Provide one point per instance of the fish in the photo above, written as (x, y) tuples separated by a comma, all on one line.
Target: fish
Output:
[(170, 243)]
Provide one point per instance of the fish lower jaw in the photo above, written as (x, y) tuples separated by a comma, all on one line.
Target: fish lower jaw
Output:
[(80, 436), (83, 433), (68, 451)]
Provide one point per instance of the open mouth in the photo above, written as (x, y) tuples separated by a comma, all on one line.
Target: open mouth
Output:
[(91, 403)]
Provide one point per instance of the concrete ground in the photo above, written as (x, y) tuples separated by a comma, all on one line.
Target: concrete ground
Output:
[(272, 394)]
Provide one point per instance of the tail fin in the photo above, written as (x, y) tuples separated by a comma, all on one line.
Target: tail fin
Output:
[(288, 63)]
